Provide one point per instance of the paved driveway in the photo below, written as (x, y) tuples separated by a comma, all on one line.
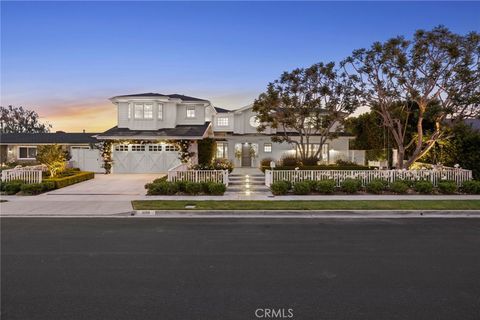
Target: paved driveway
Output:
[(110, 184)]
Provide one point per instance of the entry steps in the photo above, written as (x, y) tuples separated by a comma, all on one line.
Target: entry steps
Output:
[(247, 184)]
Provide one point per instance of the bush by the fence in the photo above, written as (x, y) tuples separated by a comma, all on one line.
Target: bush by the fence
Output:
[(325, 186), (447, 186), (280, 187), (80, 176), (265, 162), (217, 189), (423, 186), (32, 188), (193, 188), (301, 187), (351, 185), (290, 161), (471, 187), (13, 186), (399, 187), (375, 187), (161, 187)]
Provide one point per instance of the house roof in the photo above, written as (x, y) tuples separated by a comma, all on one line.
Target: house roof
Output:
[(154, 94), (47, 138), (222, 110), (179, 132)]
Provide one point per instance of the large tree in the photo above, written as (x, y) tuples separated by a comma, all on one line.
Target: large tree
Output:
[(20, 120), (434, 77), (307, 106)]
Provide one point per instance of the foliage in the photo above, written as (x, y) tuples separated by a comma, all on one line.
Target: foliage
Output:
[(310, 161), (193, 188), (53, 156), (351, 185), (399, 187), (48, 185), (223, 164), (430, 78), (301, 187), (184, 154), (13, 186), (375, 187), (206, 151), (20, 120), (471, 187), (290, 161), (215, 188), (447, 186), (369, 134), (265, 162), (105, 148), (32, 188), (161, 188), (157, 180), (307, 103), (423, 186), (325, 186), (61, 182), (280, 187), (312, 184)]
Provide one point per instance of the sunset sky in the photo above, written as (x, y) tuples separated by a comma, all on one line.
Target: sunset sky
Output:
[(65, 59)]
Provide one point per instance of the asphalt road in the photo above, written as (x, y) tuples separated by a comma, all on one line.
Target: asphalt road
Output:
[(135, 268)]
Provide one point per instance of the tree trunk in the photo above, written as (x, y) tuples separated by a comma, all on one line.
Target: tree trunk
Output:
[(400, 157)]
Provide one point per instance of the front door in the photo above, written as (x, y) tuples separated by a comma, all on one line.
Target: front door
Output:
[(246, 159)]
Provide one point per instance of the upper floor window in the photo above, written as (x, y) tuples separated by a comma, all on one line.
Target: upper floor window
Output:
[(191, 112), (143, 111), (267, 147), (27, 152), (160, 111), (222, 121)]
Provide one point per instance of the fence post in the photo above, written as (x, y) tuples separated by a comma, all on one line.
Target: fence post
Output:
[(225, 177), (268, 177)]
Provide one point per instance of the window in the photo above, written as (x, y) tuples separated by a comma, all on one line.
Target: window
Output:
[(160, 111), (148, 111), (129, 111), (138, 147), (191, 112), (267, 147), (222, 150), (143, 111), (155, 148), (27, 152), (171, 147), (222, 121), (121, 147)]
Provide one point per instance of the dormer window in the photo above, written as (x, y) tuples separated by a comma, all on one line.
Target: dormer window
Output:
[(160, 111), (191, 112), (143, 111), (222, 121)]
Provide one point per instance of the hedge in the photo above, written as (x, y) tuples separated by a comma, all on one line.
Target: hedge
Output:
[(69, 180)]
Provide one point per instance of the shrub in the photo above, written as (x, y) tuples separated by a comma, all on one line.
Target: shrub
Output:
[(32, 188), (326, 186), (223, 164), (161, 188), (301, 187), (447, 186), (193, 188), (53, 156), (471, 187), (206, 151), (160, 179), (181, 185), (310, 161), (279, 187), (48, 185), (312, 184), (399, 187), (351, 185), (61, 182), (265, 162), (206, 186), (290, 161), (216, 188), (375, 187), (13, 186), (423, 186)]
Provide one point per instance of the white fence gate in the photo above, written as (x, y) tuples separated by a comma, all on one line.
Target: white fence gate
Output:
[(26, 175), (87, 160), (181, 173), (457, 175)]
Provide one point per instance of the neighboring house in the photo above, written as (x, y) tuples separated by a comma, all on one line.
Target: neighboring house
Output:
[(149, 124)]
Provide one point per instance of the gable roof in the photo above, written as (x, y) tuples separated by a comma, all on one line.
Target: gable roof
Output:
[(222, 110), (154, 94), (179, 132), (47, 138)]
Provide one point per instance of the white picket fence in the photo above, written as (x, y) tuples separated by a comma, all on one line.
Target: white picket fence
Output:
[(181, 173), (27, 175), (457, 175)]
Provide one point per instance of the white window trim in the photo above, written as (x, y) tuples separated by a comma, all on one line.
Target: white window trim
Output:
[(160, 111), (18, 152), (226, 124), (191, 108), (129, 111), (143, 111)]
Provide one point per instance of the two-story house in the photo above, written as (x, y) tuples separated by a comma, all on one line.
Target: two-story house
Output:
[(148, 124)]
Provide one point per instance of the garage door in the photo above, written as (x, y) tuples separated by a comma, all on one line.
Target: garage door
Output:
[(144, 158), (86, 159)]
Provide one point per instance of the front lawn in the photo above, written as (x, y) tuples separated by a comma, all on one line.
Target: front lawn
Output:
[(308, 205)]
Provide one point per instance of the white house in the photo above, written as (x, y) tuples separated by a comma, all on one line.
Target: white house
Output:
[(150, 124)]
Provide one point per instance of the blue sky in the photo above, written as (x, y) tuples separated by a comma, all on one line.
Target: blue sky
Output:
[(65, 59)]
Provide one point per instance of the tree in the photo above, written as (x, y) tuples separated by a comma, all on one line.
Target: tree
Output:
[(435, 77), (20, 120), (53, 156), (307, 106)]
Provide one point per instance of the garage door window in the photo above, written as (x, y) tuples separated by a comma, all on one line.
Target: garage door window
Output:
[(121, 147), (138, 148), (155, 148), (171, 148)]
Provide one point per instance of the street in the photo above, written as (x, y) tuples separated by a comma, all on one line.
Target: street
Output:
[(148, 268)]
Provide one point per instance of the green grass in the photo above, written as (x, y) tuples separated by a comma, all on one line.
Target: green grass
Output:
[(309, 205)]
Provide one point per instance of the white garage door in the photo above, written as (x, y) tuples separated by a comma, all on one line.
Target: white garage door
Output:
[(144, 158), (87, 159)]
